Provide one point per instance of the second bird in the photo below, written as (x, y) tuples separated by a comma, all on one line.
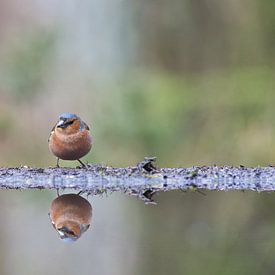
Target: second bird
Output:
[(70, 138)]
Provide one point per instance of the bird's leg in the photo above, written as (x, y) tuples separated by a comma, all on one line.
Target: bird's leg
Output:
[(57, 163), (57, 192), (83, 164)]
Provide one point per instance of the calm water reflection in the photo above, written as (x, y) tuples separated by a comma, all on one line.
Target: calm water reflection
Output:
[(71, 216), (185, 233)]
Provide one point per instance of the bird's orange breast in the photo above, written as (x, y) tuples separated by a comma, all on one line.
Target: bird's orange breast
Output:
[(70, 207), (70, 147)]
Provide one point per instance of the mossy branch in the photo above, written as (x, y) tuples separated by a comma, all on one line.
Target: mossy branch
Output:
[(142, 180)]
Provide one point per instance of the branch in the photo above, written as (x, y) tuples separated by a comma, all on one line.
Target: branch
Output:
[(143, 180)]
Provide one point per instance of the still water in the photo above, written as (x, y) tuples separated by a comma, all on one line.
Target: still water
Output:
[(185, 233)]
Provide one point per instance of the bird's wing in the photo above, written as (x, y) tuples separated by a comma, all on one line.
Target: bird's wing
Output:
[(51, 132), (86, 126)]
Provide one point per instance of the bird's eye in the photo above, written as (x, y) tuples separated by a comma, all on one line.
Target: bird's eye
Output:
[(69, 122), (65, 230)]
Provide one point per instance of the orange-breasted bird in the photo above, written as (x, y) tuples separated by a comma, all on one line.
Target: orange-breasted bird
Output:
[(71, 216), (70, 138)]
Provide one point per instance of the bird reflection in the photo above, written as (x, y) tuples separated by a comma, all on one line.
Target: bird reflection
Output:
[(71, 216)]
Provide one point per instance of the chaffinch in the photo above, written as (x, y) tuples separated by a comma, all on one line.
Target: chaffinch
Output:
[(71, 216), (70, 138)]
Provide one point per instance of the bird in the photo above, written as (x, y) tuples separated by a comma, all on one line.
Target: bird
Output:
[(71, 216), (70, 138)]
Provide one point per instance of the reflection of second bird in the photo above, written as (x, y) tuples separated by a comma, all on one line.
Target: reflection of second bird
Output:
[(70, 138), (71, 216)]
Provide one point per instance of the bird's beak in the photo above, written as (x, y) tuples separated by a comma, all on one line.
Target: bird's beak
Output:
[(60, 124)]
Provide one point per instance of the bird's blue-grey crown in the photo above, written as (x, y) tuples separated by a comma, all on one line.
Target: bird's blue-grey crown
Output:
[(66, 116)]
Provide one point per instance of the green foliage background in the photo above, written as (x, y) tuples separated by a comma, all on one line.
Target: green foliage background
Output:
[(191, 82)]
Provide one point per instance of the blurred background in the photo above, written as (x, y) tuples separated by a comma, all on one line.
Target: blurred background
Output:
[(191, 82)]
